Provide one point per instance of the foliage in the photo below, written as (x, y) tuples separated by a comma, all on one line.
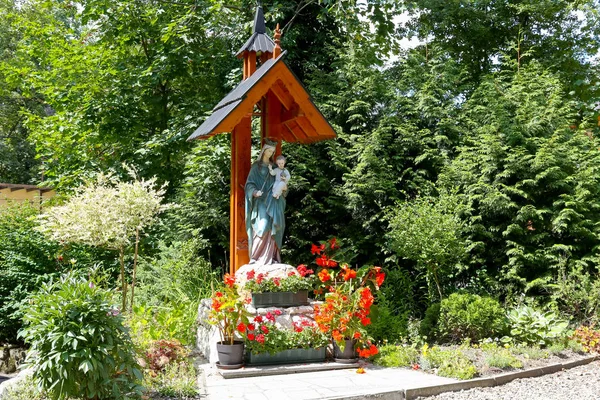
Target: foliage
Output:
[(28, 259), (577, 294), (428, 327), (499, 357), (107, 213), (588, 337), (79, 346), (535, 352), (469, 316), (292, 283), (428, 231), (397, 356), (161, 353), (175, 274), (449, 363), (263, 336), (178, 380), (171, 321), (387, 325), (532, 326), (228, 312)]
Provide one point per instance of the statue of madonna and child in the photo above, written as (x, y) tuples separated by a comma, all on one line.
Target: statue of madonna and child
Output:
[(265, 192)]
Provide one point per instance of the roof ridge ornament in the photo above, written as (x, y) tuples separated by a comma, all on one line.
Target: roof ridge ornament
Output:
[(277, 37)]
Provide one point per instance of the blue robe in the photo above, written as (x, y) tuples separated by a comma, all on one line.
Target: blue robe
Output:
[(264, 214)]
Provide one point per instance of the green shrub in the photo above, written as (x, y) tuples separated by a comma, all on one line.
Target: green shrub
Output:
[(429, 326), (396, 356), (27, 259), (469, 316), (173, 321), (449, 363), (79, 346), (24, 390), (385, 325), (177, 274), (534, 327)]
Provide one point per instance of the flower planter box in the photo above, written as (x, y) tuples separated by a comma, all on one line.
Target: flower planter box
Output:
[(280, 299), (291, 356)]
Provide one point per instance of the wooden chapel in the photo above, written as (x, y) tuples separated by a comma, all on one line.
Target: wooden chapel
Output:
[(286, 112)]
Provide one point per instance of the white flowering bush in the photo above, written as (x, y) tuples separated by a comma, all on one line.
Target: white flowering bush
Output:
[(108, 213)]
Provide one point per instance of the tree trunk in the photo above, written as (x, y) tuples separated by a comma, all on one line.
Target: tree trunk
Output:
[(123, 282), (135, 257)]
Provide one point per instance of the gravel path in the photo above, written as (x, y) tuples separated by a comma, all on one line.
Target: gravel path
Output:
[(579, 383)]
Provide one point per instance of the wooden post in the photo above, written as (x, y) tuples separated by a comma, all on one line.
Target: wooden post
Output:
[(241, 143)]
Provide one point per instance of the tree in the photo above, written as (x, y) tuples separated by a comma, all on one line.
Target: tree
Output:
[(107, 213)]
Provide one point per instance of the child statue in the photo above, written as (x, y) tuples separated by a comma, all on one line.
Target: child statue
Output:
[(282, 176)]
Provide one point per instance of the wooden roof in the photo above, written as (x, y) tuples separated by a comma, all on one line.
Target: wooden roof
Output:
[(301, 120), (259, 41), (28, 188)]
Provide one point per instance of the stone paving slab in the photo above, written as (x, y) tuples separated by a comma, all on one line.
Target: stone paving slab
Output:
[(250, 371), (336, 384)]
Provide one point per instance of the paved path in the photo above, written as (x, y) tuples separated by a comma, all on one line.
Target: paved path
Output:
[(315, 385)]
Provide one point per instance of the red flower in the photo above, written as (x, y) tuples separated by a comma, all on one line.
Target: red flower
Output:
[(365, 321), (229, 280), (250, 336), (219, 294), (322, 261), (277, 281), (277, 312), (324, 276), (315, 249), (303, 271), (331, 263), (264, 329), (356, 335), (250, 274), (416, 367), (260, 278), (260, 338), (379, 276), (373, 350), (251, 327), (270, 317), (333, 243), (258, 319), (291, 273), (241, 327)]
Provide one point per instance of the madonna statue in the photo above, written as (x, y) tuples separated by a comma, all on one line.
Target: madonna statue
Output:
[(264, 213)]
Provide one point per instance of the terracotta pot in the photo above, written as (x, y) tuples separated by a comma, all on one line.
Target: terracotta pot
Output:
[(231, 355), (349, 353)]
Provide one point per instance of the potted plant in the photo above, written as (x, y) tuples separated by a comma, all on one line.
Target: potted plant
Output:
[(229, 314), (344, 315), (268, 344), (289, 291)]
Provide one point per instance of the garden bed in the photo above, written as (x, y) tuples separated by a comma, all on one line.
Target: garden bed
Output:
[(467, 362)]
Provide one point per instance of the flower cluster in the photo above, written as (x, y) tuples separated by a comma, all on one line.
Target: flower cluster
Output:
[(348, 299), (228, 311), (263, 336), (294, 282)]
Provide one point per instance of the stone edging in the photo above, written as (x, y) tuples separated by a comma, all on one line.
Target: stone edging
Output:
[(425, 391)]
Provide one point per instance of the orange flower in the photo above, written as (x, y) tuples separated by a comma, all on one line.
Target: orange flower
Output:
[(337, 336), (360, 371), (356, 335), (324, 276), (365, 321), (349, 274)]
